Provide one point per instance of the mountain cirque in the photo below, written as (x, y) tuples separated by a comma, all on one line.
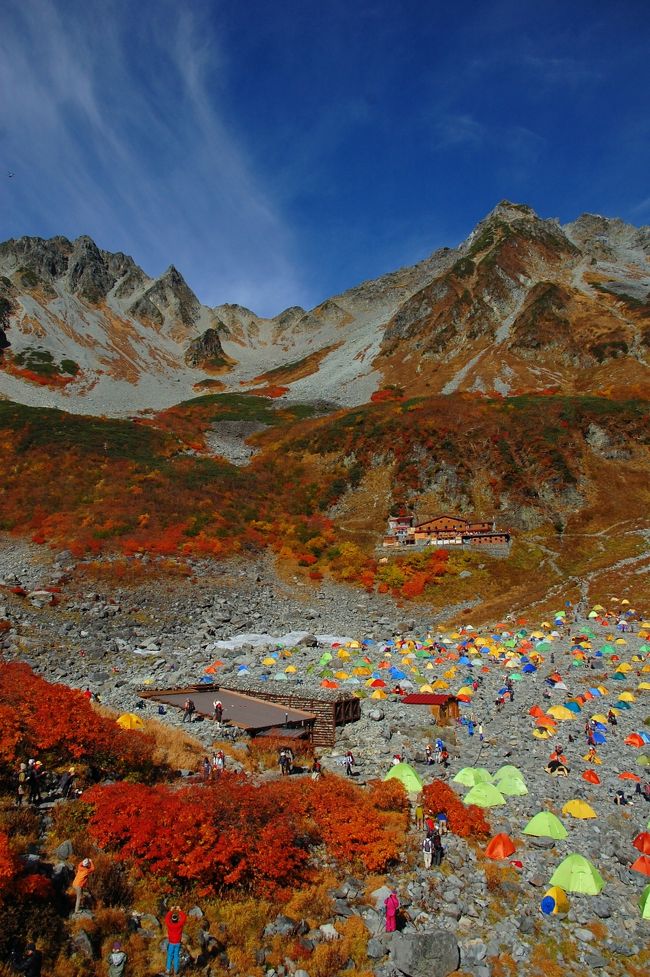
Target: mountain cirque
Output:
[(523, 304)]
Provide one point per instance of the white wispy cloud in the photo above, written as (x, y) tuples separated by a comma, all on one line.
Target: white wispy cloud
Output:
[(112, 121)]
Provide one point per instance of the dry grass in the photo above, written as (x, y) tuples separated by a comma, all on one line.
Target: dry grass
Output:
[(174, 747)]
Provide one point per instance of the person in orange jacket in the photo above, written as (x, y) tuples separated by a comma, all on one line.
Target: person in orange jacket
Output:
[(85, 868), (174, 921)]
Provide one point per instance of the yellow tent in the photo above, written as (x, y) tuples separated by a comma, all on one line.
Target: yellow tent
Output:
[(440, 684), (624, 667), (425, 688), (465, 691), (645, 686), (342, 653), (291, 668), (558, 896), (579, 809), (599, 718), (560, 712), (378, 694), (341, 674), (627, 697), (130, 721), (269, 661), (541, 734)]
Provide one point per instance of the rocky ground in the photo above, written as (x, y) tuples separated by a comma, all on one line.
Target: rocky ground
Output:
[(115, 638)]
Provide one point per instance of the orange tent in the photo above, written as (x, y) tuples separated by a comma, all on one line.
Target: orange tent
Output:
[(211, 669), (633, 740), (500, 846), (536, 711), (629, 776), (546, 722), (591, 777), (642, 865), (326, 684), (642, 843)]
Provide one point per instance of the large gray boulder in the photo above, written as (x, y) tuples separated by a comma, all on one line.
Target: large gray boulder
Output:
[(434, 954)]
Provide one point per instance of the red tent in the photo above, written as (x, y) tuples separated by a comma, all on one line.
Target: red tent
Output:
[(642, 865), (633, 740), (642, 843), (500, 846), (591, 777)]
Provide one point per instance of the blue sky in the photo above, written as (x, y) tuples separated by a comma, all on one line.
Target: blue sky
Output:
[(280, 152)]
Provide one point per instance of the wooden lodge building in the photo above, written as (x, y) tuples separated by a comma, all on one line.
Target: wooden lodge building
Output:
[(444, 530)]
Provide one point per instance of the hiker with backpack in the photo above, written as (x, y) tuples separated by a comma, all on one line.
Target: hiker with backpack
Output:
[(427, 850), (188, 710), (349, 763), (438, 850)]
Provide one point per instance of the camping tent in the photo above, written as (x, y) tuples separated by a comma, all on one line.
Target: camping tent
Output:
[(406, 776), (641, 865), (555, 901), (546, 825), (644, 903), (485, 795), (471, 776), (512, 786), (130, 721), (577, 874), (579, 809), (500, 846)]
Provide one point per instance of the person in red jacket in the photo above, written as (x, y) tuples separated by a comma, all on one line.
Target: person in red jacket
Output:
[(174, 921)]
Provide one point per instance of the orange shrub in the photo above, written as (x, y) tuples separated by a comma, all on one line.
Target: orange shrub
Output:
[(466, 821)]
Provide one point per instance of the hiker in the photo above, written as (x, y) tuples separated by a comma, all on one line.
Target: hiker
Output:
[(217, 710), (480, 732), (621, 799), (316, 769), (174, 921), (391, 904), (427, 850), (66, 783), (419, 815), (206, 768), (31, 963), (85, 868), (34, 777), (428, 755), (444, 759), (438, 850), (349, 763), (556, 768), (188, 710), (21, 784), (442, 824), (218, 764), (117, 961), (592, 756), (611, 718), (429, 822)]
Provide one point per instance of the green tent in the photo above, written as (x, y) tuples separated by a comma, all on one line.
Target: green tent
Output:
[(644, 903), (484, 795), (508, 771), (512, 786), (643, 760), (546, 825), (577, 874), (406, 776), (471, 776)]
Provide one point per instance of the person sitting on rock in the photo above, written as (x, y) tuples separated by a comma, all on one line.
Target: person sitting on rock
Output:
[(620, 799), (556, 768)]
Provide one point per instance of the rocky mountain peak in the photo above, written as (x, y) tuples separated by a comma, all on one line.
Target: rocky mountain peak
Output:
[(509, 212)]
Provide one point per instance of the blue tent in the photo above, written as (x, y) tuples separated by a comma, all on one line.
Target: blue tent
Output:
[(206, 679), (529, 669), (599, 738), (395, 673)]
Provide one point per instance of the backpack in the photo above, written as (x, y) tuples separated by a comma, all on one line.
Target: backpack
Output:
[(426, 844)]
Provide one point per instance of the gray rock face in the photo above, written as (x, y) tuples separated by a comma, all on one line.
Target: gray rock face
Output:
[(205, 349), (434, 954)]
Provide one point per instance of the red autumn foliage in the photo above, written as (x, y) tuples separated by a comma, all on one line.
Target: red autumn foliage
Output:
[(59, 724), (35, 887), (236, 834), (8, 865), (466, 821)]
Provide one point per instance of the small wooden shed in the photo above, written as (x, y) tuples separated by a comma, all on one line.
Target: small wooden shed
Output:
[(444, 708)]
